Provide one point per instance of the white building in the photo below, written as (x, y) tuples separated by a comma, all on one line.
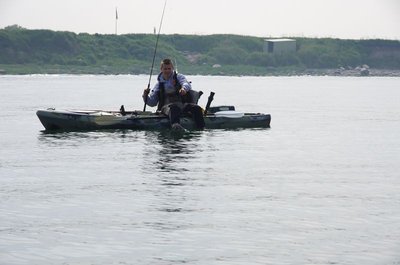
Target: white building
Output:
[(279, 45)]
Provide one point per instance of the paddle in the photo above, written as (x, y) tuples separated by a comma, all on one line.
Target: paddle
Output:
[(154, 56)]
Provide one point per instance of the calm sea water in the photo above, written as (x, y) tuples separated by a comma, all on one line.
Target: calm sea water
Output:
[(321, 186)]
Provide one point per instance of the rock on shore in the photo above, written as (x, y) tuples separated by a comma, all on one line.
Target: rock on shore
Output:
[(363, 70)]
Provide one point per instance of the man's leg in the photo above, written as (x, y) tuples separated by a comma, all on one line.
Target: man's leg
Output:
[(173, 112), (197, 114)]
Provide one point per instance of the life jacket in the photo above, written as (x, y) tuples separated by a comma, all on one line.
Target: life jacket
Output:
[(188, 98)]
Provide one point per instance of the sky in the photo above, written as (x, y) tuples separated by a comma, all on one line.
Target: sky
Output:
[(345, 19)]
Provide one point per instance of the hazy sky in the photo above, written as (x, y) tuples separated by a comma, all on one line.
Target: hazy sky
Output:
[(347, 19)]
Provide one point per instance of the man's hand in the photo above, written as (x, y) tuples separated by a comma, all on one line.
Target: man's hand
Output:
[(182, 92), (146, 92)]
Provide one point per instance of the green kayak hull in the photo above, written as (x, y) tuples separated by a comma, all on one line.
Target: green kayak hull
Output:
[(74, 120)]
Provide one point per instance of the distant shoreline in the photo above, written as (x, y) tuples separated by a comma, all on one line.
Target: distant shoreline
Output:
[(189, 69), (273, 72)]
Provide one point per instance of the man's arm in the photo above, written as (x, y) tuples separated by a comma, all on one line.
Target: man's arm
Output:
[(184, 83), (152, 96)]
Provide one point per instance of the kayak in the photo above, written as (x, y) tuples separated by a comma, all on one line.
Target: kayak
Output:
[(219, 117)]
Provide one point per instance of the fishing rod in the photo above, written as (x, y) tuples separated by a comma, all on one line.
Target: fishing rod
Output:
[(154, 56)]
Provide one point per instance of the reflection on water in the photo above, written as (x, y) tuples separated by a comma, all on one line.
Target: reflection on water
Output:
[(169, 151), (54, 138), (160, 151), (156, 164), (168, 157)]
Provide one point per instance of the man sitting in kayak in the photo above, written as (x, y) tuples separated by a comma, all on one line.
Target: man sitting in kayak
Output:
[(172, 95)]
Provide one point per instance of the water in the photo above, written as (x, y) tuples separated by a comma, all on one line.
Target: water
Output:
[(320, 187)]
